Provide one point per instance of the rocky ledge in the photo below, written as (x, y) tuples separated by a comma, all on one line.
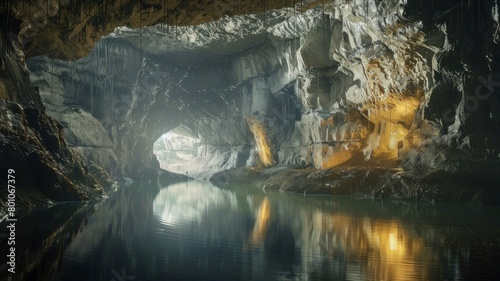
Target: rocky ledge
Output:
[(467, 181)]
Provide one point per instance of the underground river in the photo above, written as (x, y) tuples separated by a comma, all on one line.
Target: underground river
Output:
[(196, 231)]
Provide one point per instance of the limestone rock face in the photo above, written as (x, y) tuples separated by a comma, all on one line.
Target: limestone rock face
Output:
[(68, 29), (141, 89), (402, 85), (339, 84), (33, 145), (14, 77), (82, 131)]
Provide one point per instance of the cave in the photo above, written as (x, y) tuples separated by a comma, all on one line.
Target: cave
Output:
[(217, 115), (177, 151)]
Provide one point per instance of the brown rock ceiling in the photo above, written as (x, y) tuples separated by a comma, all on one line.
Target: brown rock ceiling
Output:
[(68, 29)]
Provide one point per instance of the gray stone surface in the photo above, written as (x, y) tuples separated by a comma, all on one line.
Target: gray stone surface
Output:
[(347, 84)]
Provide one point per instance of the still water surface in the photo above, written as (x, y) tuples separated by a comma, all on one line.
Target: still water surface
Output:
[(196, 231)]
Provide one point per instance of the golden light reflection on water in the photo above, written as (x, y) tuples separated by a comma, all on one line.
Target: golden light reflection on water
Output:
[(384, 249), (199, 232), (369, 248), (261, 223)]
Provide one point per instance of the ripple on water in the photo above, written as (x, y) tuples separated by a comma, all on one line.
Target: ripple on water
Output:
[(196, 231)]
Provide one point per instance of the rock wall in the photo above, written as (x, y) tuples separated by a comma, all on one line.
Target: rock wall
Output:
[(68, 29), (141, 89), (33, 146), (398, 85), (339, 84)]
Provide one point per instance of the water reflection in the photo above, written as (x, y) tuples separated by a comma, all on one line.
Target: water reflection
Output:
[(261, 224), (195, 231), (373, 249), (183, 203)]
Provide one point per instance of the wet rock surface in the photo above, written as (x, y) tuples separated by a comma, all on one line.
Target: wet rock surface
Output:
[(366, 98), (473, 186), (33, 145), (46, 169)]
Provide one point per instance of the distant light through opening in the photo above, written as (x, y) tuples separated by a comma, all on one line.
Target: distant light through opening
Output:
[(176, 151)]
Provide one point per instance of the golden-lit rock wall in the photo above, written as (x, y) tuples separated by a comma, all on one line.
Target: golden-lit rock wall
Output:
[(261, 141)]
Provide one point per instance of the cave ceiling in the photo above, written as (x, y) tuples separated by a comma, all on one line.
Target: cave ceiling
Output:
[(69, 29)]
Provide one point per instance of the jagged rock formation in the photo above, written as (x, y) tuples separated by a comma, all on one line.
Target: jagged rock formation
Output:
[(68, 29), (141, 89), (33, 145), (392, 93), (45, 168)]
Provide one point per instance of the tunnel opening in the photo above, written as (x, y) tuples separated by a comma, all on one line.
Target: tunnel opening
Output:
[(177, 150)]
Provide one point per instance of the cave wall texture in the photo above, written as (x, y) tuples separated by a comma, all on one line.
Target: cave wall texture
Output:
[(33, 145), (366, 97)]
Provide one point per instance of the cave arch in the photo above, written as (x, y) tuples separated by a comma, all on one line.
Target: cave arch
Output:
[(176, 150), (148, 90)]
